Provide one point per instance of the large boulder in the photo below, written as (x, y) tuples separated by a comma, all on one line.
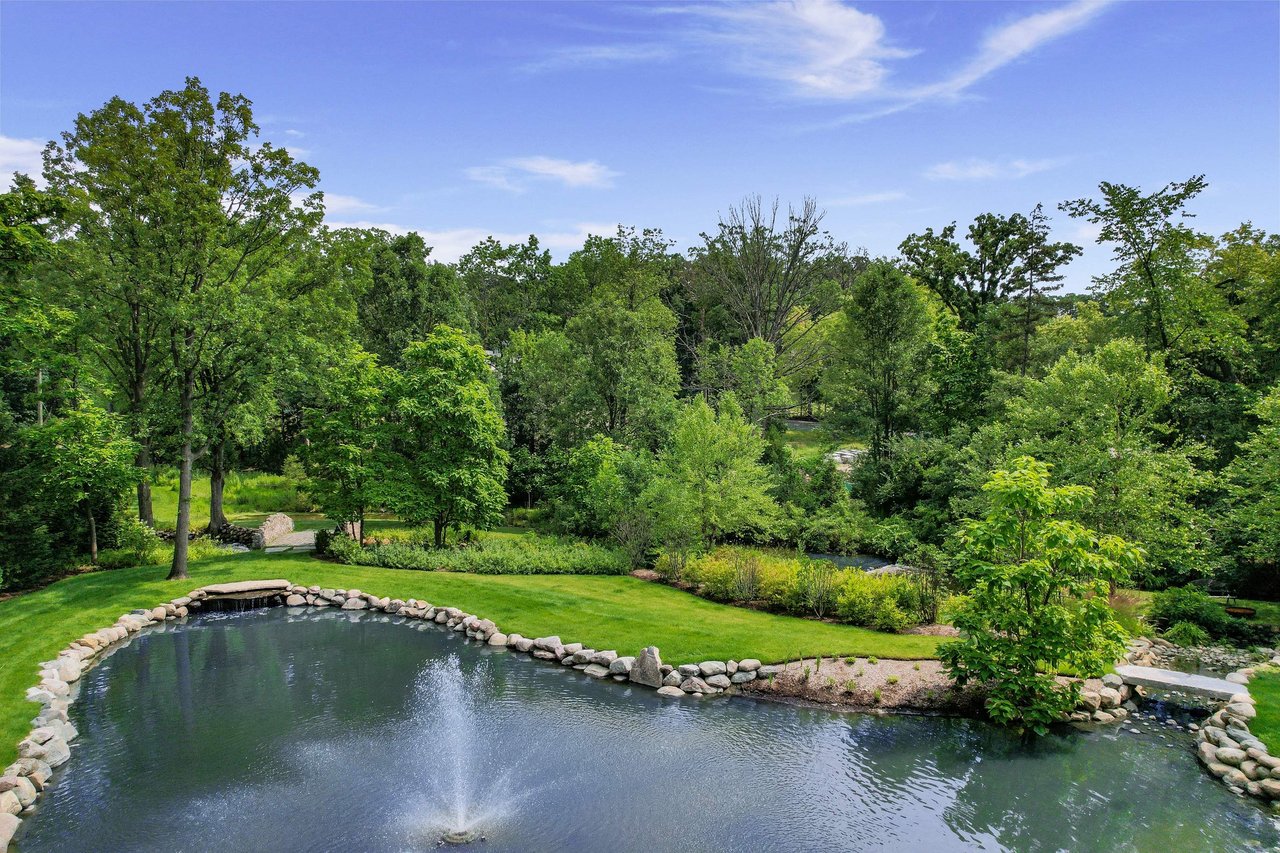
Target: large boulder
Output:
[(244, 586), (8, 826), (621, 666), (749, 665), (647, 669), (1109, 698), (742, 676), (604, 658), (673, 692), (596, 670), (548, 644), (21, 787), (712, 667), (695, 685), (721, 680), (1233, 757), (672, 679), (9, 803)]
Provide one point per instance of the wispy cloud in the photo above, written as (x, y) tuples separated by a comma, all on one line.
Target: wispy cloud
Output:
[(827, 49), (818, 48), (1013, 41), (602, 54), (20, 155), (868, 198), (979, 169), (450, 244), (515, 174)]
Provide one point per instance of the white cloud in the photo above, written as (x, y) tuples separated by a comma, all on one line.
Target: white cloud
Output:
[(449, 244), (829, 49), (602, 54), (20, 155), (978, 169), (514, 175), (819, 48), (867, 198), (337, 204), (1015, 40)]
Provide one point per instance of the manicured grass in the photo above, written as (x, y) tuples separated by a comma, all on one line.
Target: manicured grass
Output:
[(249, 497), (809, 444), (620, 613), (1264, 687)]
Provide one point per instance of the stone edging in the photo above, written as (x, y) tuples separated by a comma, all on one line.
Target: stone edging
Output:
[(1229, 751), (47, 745)]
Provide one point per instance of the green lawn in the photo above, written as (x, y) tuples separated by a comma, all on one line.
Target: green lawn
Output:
[(620, 613), (809, 444), (1264, 687)]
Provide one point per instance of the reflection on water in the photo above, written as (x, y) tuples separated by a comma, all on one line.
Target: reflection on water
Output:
[(279, 730)]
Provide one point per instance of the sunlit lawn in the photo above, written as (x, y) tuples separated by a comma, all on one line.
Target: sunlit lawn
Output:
[(620, 613)]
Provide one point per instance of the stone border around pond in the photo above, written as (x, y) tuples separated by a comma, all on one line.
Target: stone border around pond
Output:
[(47, 745), (1229, 751)]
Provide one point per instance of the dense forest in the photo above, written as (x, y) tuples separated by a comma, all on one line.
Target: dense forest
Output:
[(172, 299)]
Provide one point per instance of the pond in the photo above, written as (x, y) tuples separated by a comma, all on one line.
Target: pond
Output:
[(855, 561), (283, 730)]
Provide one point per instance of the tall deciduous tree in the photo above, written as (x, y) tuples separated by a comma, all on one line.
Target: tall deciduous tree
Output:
[(408, 294), (776, 277), (1012, 257), (879, 369), (1254, 488), (709, 477), (191, 214), (347, 439), (450, 465), (84, 461), (1098, 420)]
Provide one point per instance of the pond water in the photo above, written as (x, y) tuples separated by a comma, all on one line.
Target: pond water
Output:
[(855, 561), (328, 731)]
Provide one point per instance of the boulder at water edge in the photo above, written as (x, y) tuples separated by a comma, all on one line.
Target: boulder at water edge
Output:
[(647, 668)]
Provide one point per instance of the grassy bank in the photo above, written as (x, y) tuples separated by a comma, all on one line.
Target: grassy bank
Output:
[(1264, 687), (604, 612)]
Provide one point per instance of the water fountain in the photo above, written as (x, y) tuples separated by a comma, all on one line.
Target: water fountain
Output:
[(461, 802)]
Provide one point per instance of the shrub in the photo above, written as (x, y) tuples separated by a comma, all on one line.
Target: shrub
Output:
[(816, 587), (883, 602), (1186, 634), (523, 555), (1193, 605)]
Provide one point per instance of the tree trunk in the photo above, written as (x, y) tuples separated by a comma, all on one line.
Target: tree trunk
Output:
[(181, 538), (93, 533), (217, 483), (440, 529), (143, 460)]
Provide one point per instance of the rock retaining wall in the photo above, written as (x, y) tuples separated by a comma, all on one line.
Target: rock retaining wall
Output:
[(1229, 751)]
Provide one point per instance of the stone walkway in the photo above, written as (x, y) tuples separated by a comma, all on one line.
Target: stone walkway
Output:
[(1183, 682)]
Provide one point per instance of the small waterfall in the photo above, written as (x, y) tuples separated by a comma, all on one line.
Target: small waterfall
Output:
[(242, 601)]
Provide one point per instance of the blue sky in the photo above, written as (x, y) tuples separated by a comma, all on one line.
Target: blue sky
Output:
[(462, 120)]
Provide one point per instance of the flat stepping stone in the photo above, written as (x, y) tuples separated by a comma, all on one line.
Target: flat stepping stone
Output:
[(1183, 682), (245, 586)]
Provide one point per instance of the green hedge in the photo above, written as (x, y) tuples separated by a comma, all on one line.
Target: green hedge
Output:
[(525, 555)]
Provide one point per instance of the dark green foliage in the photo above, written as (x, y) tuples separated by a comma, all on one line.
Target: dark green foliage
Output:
[(525, 555), (1193, 605)]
